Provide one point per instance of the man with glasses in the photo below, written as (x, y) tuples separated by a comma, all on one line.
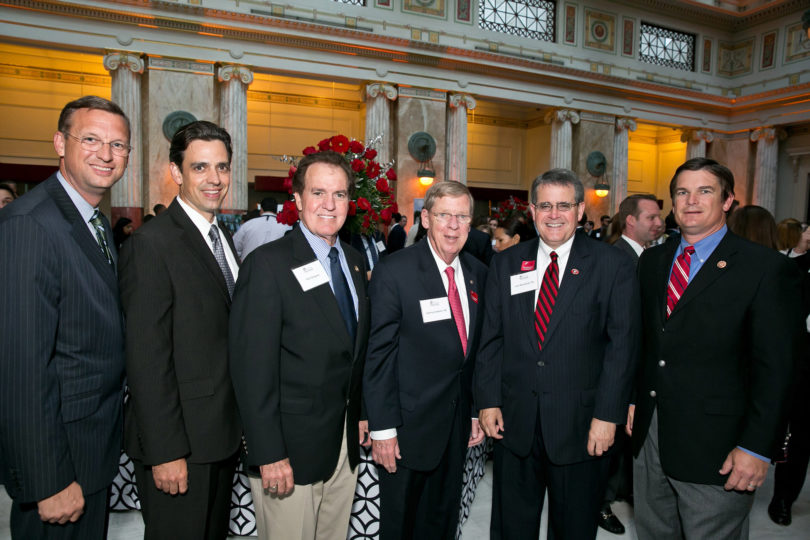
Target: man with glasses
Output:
[(62, 351), (553, 375), (427, 309)]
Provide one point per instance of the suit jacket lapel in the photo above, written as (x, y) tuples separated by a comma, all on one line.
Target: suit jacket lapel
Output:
[(472, 287), (709, 272), (577, 269), (525, 302), (82, 235), (357, 270), (662, 277), (433, 287)]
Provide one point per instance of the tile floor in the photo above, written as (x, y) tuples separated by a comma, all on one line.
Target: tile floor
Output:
[(128, 525)]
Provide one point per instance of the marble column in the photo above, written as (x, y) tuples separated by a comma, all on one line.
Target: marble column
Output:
[(457, 107), (696, 140), (561, 121), (126, 196), (233, 83), (379, 129), (765, 169), (621, 139)]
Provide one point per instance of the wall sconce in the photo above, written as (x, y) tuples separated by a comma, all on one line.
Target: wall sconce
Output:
[(602, 189), (422, 147), (596, 163)]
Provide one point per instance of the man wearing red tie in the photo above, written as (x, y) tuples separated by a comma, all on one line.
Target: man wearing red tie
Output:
[(426, 314), (554, 370), (721, 326)]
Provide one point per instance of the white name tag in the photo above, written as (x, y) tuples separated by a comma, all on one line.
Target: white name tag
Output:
[(435, 309), (523, 282), (310, 275), (380, 246)]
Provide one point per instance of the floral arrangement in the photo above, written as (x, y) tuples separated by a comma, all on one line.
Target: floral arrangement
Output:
[(508, 208), (374, 202)]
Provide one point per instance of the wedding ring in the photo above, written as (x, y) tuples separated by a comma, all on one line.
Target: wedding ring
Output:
[(750, 486), (275, 487)]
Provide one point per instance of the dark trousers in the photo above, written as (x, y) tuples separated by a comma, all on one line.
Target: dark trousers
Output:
[(620, 477), (789, 476), (26, 524), (424, 505), (575, 494), (202, 513)]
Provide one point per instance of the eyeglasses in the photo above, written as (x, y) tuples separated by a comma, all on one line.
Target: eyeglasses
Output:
[(92, 144), (444, 217), (562, 207)]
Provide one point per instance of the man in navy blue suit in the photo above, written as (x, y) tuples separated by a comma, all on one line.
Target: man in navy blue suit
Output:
[(62, 352)]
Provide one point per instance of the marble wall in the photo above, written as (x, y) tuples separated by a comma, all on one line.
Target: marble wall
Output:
[(737, 153), (593, 133)]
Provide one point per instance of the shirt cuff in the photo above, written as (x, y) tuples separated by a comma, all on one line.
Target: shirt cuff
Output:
[(384, 434), (750, 453)]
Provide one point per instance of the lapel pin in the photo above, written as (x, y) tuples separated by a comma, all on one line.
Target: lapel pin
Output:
[(474, 296), (356, 269), (574, 271), (526, 266), (721, 264)]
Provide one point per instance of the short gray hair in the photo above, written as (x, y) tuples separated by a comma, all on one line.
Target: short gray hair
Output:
[(559, 177), (448, 188)]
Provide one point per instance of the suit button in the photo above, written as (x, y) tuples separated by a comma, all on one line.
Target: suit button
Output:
[(661, 363), (652, 393), (541, 363)]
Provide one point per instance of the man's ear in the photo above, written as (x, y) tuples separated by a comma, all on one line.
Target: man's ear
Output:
[(177, 174)]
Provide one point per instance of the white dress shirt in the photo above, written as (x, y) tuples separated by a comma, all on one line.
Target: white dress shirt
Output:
[(204, 227)]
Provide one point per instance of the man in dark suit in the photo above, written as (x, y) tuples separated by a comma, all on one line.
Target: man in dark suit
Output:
[(177, 276), (299, 331), (721, 326), (554, 370), (602, 232), (479, 245), (425, 326), (397, 234), (62, 352)]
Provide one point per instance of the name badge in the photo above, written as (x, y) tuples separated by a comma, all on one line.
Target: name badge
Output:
[(435, 309), (523, 282), (380, 246), (310, 275)]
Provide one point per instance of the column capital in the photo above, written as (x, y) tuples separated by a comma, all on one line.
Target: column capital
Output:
[(769, 134), (624, 123), (696, 135), (229, 72), (132, 61), (562, 115), (458, 100), (389, 91)]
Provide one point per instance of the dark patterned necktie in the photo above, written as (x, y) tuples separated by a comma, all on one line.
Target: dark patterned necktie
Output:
[(219, 255), (343, 294), (101, 236), (455, 307), (679, 278), (546, 299)]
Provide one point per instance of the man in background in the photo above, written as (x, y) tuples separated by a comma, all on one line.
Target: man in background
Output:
[(259, 230)]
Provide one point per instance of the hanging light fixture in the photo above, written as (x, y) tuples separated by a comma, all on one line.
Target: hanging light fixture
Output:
[(422, 147), (596, 163), (602, 189)]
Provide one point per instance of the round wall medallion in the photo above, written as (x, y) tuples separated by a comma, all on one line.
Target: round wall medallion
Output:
[(422, 146), (174, 121), (596, 163)]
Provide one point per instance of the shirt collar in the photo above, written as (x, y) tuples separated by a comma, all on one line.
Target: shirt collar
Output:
[(320, 246), (638, 248), (86, 210), (561, 251), (440, 262), (706, 246), (197, 219)]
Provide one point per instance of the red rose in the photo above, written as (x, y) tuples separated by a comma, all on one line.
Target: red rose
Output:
[(324, 145), (394, 208), (358, 165), (363, 204), (352, 208), (288, 214), (310, 150), (391, 175), (356, 147), (370, 153), (374, 215), (385, 215), (340, 143), (382, 185), (366, 221), (288, 184), (373, 169)]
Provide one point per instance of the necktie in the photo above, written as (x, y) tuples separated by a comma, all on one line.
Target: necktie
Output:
[(546, 299), (101, 236), (679, 278), (455, 307), (343, 294), (219, 255)]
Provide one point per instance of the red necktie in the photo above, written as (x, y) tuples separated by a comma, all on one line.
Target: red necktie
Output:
[(455, 307), (546, 299), (679, 278)]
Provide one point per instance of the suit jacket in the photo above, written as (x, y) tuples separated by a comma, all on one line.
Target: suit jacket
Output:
[(625, 246), (590, 352), (181, 401), (396, 238), (479, 245), (718, 369), (62, 351), (417, 376), (296, 372)]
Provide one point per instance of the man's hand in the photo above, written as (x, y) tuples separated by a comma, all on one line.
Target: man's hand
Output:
[(747, 471), (600, 437), (277, 478), (365, 436), (171, 477), (66, 505), (476, 434), (631, 414), (491, 421), (386, 453)]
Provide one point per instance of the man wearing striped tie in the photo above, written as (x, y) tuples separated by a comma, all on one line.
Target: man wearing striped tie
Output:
[(555, 367), (721, 327)]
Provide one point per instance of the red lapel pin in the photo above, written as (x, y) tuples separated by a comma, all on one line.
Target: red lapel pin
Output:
[(474, 296), (575, 271), (525, 266)]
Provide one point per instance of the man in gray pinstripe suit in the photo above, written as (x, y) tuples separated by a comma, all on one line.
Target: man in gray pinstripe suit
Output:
[(62, 352)]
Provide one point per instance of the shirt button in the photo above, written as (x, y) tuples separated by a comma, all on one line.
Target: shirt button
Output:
[(662, 363), (541, 363), (652, 393)]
